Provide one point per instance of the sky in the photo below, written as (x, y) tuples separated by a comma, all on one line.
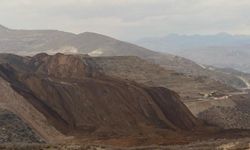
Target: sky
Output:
[(129, 19)]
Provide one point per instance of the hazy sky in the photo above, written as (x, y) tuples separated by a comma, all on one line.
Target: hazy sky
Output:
[(129, 19)]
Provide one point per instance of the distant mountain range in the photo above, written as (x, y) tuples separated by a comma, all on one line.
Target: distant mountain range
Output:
[(31, 42), (220, 50)]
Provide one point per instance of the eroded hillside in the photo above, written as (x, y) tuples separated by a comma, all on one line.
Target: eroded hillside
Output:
[(79, 100)]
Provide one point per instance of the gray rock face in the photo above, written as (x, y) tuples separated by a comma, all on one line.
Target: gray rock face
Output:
[(14, 130)]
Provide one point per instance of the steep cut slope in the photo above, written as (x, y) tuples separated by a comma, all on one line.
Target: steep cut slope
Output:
[(30, 42), (78, 100)]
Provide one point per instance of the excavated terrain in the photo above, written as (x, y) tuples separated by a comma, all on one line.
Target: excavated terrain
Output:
[(80, 101), (71, 99)]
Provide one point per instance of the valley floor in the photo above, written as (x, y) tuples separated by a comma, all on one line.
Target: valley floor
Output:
[(232, 144)]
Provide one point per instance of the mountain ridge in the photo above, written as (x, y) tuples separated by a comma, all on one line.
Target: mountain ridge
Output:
[(206, 49), (23, 42)]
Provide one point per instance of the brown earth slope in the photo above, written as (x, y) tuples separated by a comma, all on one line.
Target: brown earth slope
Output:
[(79, 100)]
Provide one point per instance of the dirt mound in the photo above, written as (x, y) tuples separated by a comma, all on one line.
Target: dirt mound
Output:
[(78, 100)]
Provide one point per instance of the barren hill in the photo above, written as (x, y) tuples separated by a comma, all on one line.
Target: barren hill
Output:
[(79, 100), (82, 99)]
